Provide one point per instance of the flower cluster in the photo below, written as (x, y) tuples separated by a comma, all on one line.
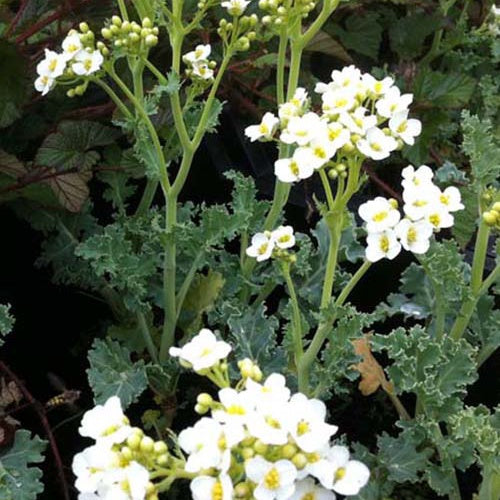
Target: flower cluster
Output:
[(78, 58), (492, 217), (235, 7), (261, 441), (131, 37), (117, 465), (197, 62), (271, 243), (360, 115), (427, 209)]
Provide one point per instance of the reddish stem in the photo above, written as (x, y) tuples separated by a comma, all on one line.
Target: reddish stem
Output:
[(40, 411), (385, 187)]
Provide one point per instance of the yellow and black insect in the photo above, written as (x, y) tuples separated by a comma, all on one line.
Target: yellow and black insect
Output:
[(67, 397)]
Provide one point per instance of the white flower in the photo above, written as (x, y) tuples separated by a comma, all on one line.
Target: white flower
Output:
[(268, 424), (284, 237), (393, 102), (380, 245), (201, 70), (44, 84), (299, 98), (349, 76), (91, 465), (72, 45), (296, 168), (238, 406), (450, 199), (439, 217), (376, 144), (420, 200), (405, 129), (338, 101), (262, 245), (128, 482), (379, 214), (301, 129), (377, 87), (199, 54), (306, 423), (87, 63), (210, 488), (342, 475), (265, 130), (414, 236), (337, 135), (274, 480), (106, 423), (413, 178), (307, 489), (357, 122), (201, 442), (235, 7), (53, 65), (202, 351), (274, 390), (316, 154)]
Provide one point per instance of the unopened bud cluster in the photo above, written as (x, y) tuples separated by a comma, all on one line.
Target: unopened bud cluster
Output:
[(280, 13), (246, 31), (492, 216), (130, 36)]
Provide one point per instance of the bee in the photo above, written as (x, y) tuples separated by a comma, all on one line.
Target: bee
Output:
[(67, 397)]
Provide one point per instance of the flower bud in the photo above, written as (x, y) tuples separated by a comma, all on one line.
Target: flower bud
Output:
[(260, 447), (155, 31), (496, 206), (80, 90), (151, 40), (288, 451), (134, 441), (247, 453), (160, 448), (114, 29), (84, 27), (204, 399), (162, 460), (490, 218), (71, 93), (256, 373), (134, 37), (136, 28), (242, 490), (147, 444), (393, 202), (147, 23), (126, 27), (116, 21), (201, 409), (126, 453), (332, 173), (299, 460)]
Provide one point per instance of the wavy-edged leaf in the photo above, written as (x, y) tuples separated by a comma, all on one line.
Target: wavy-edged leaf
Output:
[(113, 373), (19, 480), (6, 321), (326, 44), (71, 189)]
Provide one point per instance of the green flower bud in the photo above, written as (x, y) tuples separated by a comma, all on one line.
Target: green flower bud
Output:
[(80, 90), (126, 27), (151, 40), (162, 460), (332, 173), (134, 37), (260, 447), (114, 29), (256, 373), (343, 175), (247, 453), (160, 448), (155, 31), (288, 451), (147, 444), (348, 147), (490, 218), (71, 93), (242, 490), (204, 399), (496, 206), (134, 441), (147, 23), (116, 20), (126, 453), (251, 35), (394, 203), (201, 409), (84, 27), (136, 28), (299, 460)]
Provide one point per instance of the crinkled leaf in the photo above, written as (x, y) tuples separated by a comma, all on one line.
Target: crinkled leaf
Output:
[(6, 321), (72, 146), (11, 166), (70, 189), (255, 336), (113, 373), (19, 480), (482, 148)]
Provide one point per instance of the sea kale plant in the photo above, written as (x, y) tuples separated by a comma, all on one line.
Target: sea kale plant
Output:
[(228, 310)]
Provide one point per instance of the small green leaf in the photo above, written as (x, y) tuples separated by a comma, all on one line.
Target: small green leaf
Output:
[(112, 373), (6, 321), (19, 480)]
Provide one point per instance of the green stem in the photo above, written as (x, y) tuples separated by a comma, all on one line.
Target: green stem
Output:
[(353, 282), (328, 189), (169, 280), (280, 72), (114, 97), (147, 197), (297, 323), (181, 295), (476, 285), (123, 10), (150, 346)]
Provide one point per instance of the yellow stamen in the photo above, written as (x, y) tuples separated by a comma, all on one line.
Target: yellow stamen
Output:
[(380, 216), (272, 479), (384, 244), (217, 491)]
